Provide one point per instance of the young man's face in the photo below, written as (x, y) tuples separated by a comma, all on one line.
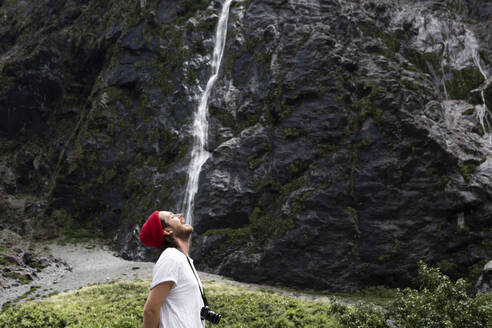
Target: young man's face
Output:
[(176, 223)]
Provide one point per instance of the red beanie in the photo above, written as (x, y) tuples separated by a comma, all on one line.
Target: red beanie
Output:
[(152, 234)]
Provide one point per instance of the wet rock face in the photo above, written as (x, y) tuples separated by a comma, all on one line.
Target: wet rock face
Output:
[(364, 166), (345, 146), (484, 283), (481, 9)]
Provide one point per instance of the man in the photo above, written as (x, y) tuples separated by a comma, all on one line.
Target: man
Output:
[(174, 299)]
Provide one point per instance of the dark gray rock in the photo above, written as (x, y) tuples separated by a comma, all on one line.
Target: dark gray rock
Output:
[(337, 161), (484, 283), (168, 11)]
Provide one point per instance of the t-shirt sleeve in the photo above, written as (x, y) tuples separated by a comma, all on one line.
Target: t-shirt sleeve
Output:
[(167, 268)]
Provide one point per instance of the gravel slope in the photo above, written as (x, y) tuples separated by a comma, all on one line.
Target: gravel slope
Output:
[(79, 265)]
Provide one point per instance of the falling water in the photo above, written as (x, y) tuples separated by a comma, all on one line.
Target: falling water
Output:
[(482, 112), (457, 46), (199, 154)]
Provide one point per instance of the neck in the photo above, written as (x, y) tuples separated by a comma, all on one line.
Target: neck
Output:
[(184, 245)]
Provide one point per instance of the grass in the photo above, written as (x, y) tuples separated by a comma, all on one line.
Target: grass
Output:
[(377, 295), (22, 279), (31, 291), (120, 304)]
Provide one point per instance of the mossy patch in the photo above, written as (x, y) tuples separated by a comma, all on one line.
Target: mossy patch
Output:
[(254, 161), (485, 56), (428, 62), (21, 278), (467, 169), (488, 98), (463, 82), (224, 117), (366, 106), (60, 224), (265, 221), (290, 133)]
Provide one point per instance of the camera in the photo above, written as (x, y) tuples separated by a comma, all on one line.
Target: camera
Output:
[(209, 315)]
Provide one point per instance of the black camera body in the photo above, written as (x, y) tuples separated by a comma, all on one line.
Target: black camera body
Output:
[(209, 315)]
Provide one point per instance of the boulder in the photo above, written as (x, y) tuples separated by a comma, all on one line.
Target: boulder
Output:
[(484, 283)]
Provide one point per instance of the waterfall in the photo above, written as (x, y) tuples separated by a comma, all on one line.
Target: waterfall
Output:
[(457, 45), (482, 111), (199, 154)]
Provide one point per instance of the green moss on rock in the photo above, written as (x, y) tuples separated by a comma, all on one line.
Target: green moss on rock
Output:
[(488, 98), (224, 117), (254, 161), (427, 60), (463, 82), (485, 56), (467, 169)]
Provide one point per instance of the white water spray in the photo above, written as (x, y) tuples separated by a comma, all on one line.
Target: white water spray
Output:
[(482, 111), (199, 154), (458, 48)]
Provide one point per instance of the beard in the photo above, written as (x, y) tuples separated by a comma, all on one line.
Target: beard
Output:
[(184, 231)]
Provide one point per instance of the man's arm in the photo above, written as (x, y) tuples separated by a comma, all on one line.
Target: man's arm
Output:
[(157, 296)]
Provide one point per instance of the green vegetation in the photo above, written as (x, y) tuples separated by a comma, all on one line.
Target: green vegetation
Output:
[(378, 295), (208, 25), (261, 227), (265, 221), (290, 133), (225, 118), (411, 85), (391, 40), (61, 224), (439, 303), (243, 308), (485, 56), (467, 170), (488, 98), (192, 6), (363, 316), (463, 82), (3, 260), (31, 290), (121, 304), (425, 60), (367, 106), (254, 161), (22, 279), (278, 110)]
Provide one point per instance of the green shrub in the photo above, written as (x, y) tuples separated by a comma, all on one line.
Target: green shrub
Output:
[(440, 303), (363, 316), (32, 315)]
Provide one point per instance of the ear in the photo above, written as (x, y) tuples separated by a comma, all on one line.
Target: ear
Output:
[(168, 232)]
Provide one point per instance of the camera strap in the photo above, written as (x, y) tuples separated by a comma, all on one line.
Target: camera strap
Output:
[(196, 276)]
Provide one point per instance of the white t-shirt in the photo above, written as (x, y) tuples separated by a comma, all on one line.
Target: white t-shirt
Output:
[(181, 309)]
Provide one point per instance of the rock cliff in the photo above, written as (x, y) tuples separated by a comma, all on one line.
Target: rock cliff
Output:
[(349, 139)]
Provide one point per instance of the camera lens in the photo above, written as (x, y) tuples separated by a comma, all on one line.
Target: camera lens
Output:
[(210, 315)]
